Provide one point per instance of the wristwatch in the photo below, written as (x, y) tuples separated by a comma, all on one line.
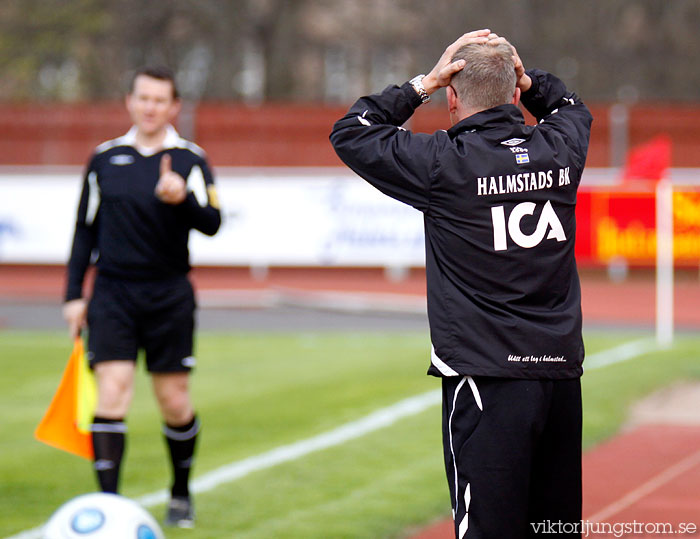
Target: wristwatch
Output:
[(417, 83)]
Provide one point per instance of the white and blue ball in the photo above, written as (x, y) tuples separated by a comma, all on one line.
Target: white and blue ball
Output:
[(102, 516)]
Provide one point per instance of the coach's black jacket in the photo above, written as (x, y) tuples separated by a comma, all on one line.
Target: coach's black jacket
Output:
[(498, 199)]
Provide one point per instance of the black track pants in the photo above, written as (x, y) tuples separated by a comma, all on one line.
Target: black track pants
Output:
[(512, 456)]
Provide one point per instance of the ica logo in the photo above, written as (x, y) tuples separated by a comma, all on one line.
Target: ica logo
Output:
[(548, 222)]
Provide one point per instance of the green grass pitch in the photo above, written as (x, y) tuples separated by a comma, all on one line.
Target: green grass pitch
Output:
[(258, 391)]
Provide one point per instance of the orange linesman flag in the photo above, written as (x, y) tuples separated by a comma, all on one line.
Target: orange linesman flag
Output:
[(64, 424), (649, 161)]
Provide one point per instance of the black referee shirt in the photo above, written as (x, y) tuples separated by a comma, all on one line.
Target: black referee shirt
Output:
[(498, 199), (122, 223)]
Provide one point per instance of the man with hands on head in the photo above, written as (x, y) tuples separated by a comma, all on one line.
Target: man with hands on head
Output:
[(504, 304), (142, 194)]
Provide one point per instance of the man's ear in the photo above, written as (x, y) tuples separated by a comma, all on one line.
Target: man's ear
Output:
[(175, 108), (516, 96), (451, 100)]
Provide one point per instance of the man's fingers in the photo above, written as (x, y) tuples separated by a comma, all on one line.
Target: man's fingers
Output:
[(454, 67), (74, 330), (478, 33), (171, 188), (164, 185), (497, 40), (74, 313), (165, 164), (477, 36), (517, 62), (467, 40)]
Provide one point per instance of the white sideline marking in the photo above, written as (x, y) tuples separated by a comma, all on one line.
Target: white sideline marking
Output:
[(650, 486), (377, 420), (624, 352)]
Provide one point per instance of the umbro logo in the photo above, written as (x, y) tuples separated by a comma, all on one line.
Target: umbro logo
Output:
[(103, 464), (513, 141), (121, 159)]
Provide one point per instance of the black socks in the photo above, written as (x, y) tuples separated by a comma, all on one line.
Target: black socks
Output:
[(108, 440), (181, 442)]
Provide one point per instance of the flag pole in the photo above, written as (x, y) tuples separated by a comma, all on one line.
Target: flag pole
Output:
[(664, 262)]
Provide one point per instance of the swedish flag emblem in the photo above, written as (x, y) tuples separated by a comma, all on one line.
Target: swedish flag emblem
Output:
[(522, 158)]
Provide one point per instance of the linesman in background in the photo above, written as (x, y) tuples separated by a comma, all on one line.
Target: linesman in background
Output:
[(142, 194), (504, 301)]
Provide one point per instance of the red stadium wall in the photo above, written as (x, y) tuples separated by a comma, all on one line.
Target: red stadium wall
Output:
[(283, 135)]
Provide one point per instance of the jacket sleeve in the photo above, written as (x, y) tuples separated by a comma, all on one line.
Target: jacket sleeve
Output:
[(370, 140), (85, 236), (562, 111), (201, 206)]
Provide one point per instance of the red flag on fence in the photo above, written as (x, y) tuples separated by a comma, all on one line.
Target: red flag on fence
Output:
[(649, 161), (63, 425)]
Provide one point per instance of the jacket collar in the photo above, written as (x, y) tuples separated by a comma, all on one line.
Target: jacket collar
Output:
[(171, 140), (499, 118)]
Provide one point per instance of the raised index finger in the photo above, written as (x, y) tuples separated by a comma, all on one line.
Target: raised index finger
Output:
[(165, 164)]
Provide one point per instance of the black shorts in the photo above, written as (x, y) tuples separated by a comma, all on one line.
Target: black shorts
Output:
[(513, 455), (157, 316)]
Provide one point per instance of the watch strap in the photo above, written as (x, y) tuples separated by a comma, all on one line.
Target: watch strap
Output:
[(417, 83)]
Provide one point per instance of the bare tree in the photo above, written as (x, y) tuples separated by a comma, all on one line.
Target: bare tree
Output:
[(311, 50)]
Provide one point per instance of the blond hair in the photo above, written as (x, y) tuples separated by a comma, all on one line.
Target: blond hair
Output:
[(488, 78)]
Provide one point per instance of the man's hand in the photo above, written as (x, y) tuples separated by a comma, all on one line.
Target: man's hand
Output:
[(441, 75), (171, 187), (522, 80), (74, 312)]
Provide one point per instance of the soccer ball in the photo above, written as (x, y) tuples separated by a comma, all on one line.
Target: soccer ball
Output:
[(102, 516)]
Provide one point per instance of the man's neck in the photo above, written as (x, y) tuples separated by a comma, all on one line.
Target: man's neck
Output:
[(151, 141), (462, 112)]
